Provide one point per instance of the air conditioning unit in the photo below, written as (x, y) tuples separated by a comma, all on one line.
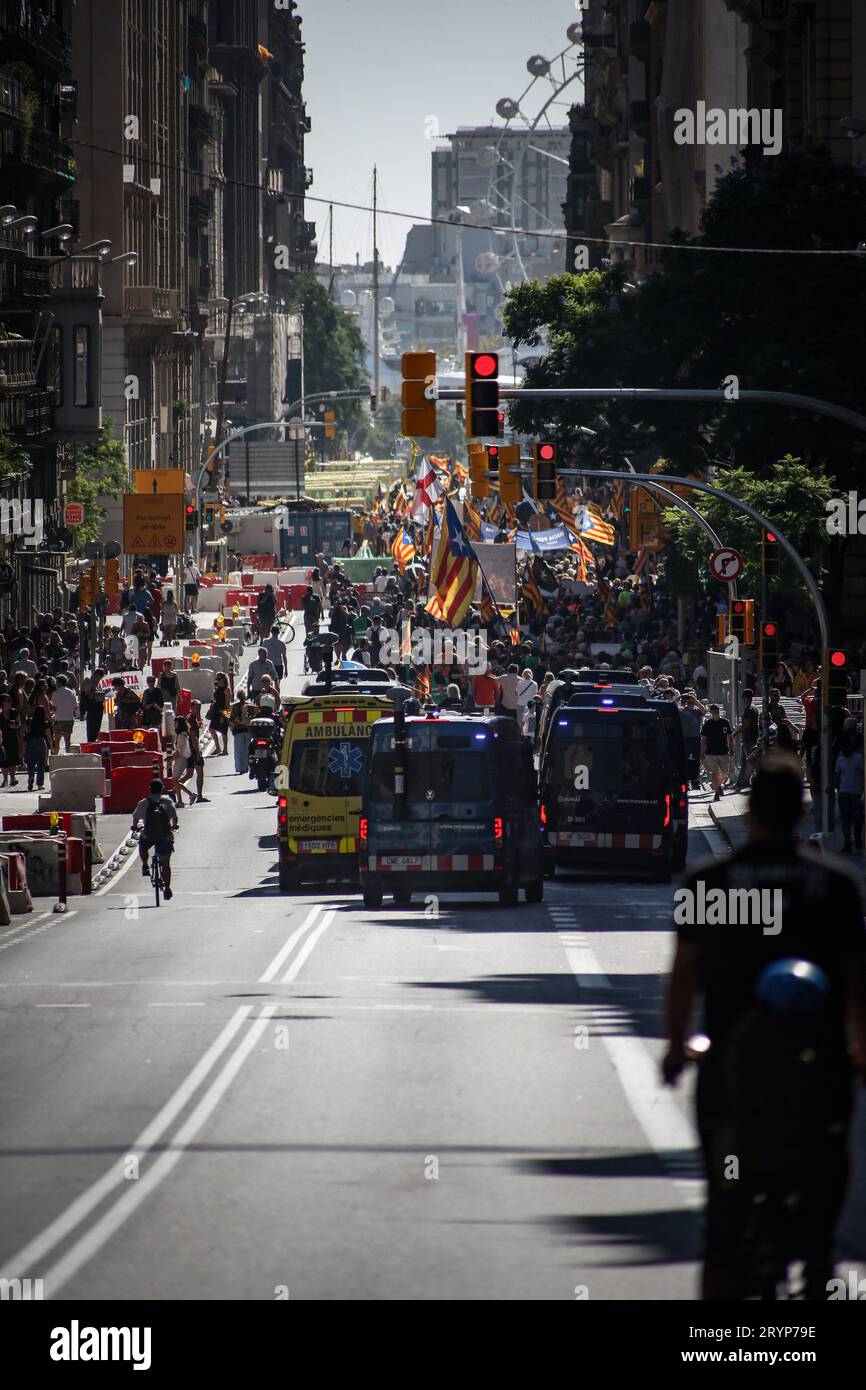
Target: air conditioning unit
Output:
[(231, 526)]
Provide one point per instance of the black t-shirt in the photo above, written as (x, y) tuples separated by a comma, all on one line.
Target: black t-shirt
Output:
[(716, 732), (820, 913), (750, 723)]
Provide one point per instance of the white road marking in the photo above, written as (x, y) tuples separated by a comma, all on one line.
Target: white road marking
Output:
[(668, 1131), (307, 947), (64, 1006), (283, 954), (176, 1004), (35, 1251), (93, 1240), (54, 920)]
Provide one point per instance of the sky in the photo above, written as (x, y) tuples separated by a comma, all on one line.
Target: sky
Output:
[(379, 73)]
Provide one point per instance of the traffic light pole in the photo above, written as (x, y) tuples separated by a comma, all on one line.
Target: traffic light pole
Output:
[(825, 817), (765, 675)]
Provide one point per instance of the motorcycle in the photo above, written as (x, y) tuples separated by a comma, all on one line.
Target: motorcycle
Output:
[(264, 754)]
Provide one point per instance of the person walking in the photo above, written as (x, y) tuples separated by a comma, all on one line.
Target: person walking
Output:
[(218, 716), (10, 732), (266, 610), (92, 704), (64, 706), (169, 618), (191, 579), (312, 608), (277, 652), (849, 788), (262, 666), (182, 764), (194, 728), (38, 734), (716, 748), (239, 723)]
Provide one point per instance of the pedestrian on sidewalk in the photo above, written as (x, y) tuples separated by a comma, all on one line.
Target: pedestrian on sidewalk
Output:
[(92, 704), (38, 733), (191, 577), (218, 716), (716, 749), (182, 763), (169, 618), (194, 727), (277, 652), (849, 787), (748, 729), (64, 705), (239, 723), (10, 732)]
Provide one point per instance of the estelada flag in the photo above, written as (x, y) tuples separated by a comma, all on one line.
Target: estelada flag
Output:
[(403, 548), (453, 573)]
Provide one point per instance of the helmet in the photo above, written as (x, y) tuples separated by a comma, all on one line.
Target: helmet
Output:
[(267, 702), (793, 986)]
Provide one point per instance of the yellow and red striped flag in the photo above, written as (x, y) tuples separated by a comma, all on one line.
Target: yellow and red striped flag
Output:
[(453, 573), (403, 548), (593, 527), (422, 682)]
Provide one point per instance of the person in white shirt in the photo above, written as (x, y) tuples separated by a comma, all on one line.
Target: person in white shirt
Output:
[(509, 685), (64, 707), (526, 693), (191, 577)]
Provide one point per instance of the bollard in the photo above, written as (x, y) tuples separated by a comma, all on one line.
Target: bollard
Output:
[(87, 883), (60, 905)]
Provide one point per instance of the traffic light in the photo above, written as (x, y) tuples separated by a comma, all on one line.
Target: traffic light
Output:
[(742, 620), (477, 469), (482, 395), (836, 678), (507, 457), (545, 470), (191, 516), (418, 420), (721, 629), (769, 653), (771, 554), (330, 426), (88, 587), (112, 576)]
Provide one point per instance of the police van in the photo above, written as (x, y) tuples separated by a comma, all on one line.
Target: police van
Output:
[(468, 820), (606, 781)]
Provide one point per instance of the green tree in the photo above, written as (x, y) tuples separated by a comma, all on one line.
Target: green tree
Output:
[(101, 470), (380, 436), (793, 495), (334, 350), (14, 458)]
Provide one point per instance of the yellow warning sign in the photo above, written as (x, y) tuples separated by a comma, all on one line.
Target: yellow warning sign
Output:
[(159, 480), (153, 525)]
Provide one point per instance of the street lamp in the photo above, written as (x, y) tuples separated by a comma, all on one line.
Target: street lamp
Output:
[(96, 248), (7, 212), (127, 258), (63, 232), (855, 126), (26, 224)]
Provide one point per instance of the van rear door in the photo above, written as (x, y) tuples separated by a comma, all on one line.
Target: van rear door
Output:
[(397, 843), (608, 774), (455, 779)]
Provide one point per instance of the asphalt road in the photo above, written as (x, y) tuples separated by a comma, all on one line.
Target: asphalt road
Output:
[(245, 1095)]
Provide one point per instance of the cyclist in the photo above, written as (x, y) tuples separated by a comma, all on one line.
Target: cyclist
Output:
[(158, 819), (820, 921)]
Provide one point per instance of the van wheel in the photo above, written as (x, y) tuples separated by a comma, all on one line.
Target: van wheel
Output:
[(289, 879), (534, 891), (662, 874), (372, 895), (402, 897), (508, 894), (549, 860)]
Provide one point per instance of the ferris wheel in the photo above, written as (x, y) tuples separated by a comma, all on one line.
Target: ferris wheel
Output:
[(542, 106)]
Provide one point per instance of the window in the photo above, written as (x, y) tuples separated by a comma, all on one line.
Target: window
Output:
[(82, 366), (328, 767), (622, 759), (449, 776)]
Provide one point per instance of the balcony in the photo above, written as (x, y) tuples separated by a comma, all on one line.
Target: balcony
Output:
[(27, 151), (28, 413), (200, 124), (25, 32), (149, 304), (25, 278), (16, 365), (80, 279)]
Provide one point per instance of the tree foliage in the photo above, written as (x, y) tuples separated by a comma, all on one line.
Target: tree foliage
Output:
[(774, 321), (101, 470), (793, 496), (383, 430), (334, 350)]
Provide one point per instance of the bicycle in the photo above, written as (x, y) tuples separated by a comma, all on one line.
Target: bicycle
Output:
[(156, 877)]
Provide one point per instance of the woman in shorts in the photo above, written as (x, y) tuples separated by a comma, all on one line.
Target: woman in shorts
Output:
[(194, 728), (218, 716)]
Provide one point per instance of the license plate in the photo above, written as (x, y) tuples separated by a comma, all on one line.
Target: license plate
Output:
[(402, 861), (312, 846)]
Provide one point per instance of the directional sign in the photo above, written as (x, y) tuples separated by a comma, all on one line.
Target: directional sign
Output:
[(726, 564), (73, 514), (153, 525)]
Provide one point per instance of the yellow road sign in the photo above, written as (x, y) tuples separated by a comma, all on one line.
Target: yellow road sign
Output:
[(166, 480), (153, 525)]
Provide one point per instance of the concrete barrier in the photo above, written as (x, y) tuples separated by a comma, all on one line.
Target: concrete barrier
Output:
[(14, 879), (40, 853), (74, 789), (199, 683), (59, 761)]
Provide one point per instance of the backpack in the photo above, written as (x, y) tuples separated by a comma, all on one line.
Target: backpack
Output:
[(786, 1086), (157, 825)]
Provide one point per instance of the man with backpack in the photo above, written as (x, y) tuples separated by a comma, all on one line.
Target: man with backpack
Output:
[(311, 606), (774, 1092), (157, 816)]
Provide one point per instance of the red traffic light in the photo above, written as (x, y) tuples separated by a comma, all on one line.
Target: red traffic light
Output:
[(485, 364), (771, 538), (493, 451), (738, 607), (770, 629), (546, 451), (190, 508), (838, 659)]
